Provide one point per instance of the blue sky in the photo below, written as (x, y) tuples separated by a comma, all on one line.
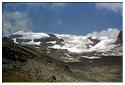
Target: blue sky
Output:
[(71, 18)]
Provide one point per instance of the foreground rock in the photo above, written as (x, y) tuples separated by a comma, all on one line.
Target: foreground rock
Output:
[(32, 64)]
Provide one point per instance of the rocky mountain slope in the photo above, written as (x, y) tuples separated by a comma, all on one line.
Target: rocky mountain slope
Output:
[(28, 62), (46, 57)]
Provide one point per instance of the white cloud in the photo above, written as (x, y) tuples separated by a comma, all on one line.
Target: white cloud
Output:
[(110, 32), (13, 22), (116, 7)]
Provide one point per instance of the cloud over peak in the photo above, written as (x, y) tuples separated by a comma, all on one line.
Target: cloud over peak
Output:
[(14, 21), (109, 32)]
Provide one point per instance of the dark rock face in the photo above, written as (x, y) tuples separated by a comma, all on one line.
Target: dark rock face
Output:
[(11, 51), (32, 64), (23, 40), (119, 40), (95, 41), (46, 41), (15, 36)]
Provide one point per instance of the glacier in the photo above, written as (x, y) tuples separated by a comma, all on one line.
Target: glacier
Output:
[(75, 43)]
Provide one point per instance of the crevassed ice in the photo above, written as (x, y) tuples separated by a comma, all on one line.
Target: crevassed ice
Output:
[(77, 44), (104, 45)]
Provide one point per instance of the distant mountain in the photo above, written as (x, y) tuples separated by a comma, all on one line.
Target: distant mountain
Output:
[(35, 38), (73, 43), (64, 45)]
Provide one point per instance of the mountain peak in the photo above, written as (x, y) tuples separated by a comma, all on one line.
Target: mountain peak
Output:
[(101, 41)]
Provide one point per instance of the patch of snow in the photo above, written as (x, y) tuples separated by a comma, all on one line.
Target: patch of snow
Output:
[(32, 43), (67, 54), (92, 57), (104, 45), (36, 47), (73, 49), (53, 42), (31, 35), (55, 47), (14, 39), (71, 58)]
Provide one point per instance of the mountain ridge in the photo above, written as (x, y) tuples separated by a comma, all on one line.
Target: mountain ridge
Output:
[(37, 64), (72, 43)]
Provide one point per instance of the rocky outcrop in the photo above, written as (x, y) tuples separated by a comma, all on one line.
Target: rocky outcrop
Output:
[(119, 40), (30, 62), (46, 41), (92, 42)]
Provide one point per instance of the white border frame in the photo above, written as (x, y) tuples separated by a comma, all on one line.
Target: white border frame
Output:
[(32, 83)]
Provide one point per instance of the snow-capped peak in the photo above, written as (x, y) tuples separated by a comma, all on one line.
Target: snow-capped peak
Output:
[(73, 43), (79, 44), (31, 35)]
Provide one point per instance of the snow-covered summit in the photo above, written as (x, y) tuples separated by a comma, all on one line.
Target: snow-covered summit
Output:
[(73, 43), (31, 35), (79, 44)]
